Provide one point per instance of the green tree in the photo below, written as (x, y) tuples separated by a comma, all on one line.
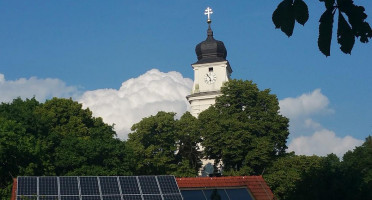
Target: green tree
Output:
[(290, 11), (188, 138), (324, 182), (164, 145), (153, 141), (288, 171), (357, 169), (57, 137), (244, 128)]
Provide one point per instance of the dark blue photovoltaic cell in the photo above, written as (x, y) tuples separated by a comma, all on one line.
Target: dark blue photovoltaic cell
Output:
[(152, 197), (168, 184), (48, 197), (99, 188), (132, 197), (27, 186), (91, 198), (89, 186), (149, 185), (109, 185), (70, 198), (69, 185), (26, 198), (192, 194), (172, 197), (129, 185), (220, 192), (48, 186), (236, 194), (117, 197)]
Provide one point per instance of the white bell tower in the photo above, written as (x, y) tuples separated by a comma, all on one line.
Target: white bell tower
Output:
[(211, 71)]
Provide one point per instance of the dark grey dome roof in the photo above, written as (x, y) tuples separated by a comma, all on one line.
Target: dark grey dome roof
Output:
[(210, 50)]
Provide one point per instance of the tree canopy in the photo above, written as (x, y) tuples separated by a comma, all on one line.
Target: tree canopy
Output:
[(313, 177), (290, 11), (244, 128), (57, 137), (163, 145)]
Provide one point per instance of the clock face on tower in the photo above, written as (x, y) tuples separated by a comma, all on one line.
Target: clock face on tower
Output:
[(210, 78)]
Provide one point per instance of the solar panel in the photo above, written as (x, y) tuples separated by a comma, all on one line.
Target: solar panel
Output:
[(70, 198), (168, 184), (109, 185), (48, 197), (48, 186), (149, 185), (173, 197), (240, 193), (98, 188), (117, 197), (152, 197), (129, 185), (69, 185), (27, 185), (132, 197), (193, 194), (216, 193), (89, 186), (90, 197), (26, 198)]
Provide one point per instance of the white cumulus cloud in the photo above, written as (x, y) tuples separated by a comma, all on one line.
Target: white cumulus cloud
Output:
[(138, 98), (307, 136), (322, 143), (41, 89), (305, 105)]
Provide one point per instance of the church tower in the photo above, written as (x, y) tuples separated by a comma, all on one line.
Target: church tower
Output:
[(211, 71)]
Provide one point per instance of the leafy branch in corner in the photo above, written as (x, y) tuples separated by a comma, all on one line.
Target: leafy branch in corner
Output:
[(290, 11)]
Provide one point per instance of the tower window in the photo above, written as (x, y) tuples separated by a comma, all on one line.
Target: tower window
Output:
[(211, 69)]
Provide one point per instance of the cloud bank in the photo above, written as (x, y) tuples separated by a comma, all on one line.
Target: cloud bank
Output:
[(308, 136), (41, 89), (322, 143), (138, 98)]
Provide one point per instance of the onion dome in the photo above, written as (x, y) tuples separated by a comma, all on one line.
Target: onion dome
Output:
[(210, 50)]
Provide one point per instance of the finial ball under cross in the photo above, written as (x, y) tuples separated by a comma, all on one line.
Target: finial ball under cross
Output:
[(208, 12)]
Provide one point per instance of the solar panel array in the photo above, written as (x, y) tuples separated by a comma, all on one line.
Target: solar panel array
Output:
[(98, 188)]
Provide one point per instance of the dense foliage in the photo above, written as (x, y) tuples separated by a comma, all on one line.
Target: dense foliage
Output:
[(59, 138), (313, 177), (163, 145), (243, 130), (290, 11)]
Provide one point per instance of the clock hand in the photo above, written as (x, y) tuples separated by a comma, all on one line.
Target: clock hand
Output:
[(209, 77)]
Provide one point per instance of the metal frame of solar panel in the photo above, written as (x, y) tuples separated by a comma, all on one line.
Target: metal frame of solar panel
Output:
[(98, 188)]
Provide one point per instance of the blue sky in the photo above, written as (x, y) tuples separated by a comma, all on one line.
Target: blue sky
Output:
[(91, 45)]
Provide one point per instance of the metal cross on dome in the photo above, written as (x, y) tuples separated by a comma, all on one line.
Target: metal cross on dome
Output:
[(208, 12)]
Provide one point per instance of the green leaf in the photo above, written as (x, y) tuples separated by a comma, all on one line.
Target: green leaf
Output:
[(284, 17), (301, 11), (328, 3), (325, 32), (345, 35)]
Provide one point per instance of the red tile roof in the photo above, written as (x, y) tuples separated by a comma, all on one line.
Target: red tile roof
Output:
[(14, 189), (256, 184)]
